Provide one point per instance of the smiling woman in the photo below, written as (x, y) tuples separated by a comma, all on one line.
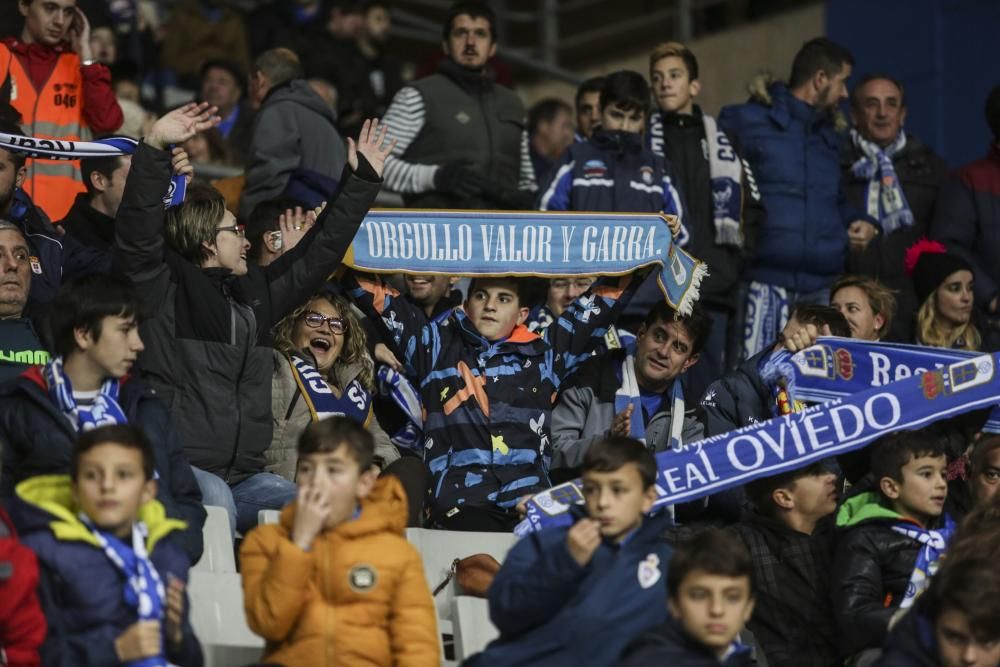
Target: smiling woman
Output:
[(321, 368)]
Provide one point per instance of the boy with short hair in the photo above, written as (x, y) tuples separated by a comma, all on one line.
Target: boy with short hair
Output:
[(574, 596), (789, 536), (888, 547), (98, 531), (613, 171), (710, 594), (95, 326), (335, 580)]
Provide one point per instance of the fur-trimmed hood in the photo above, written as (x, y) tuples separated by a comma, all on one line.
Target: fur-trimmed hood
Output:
[(761, 89)]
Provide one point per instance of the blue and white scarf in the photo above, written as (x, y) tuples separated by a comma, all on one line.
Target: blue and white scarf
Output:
[(144, 590), (628, 395), (56, 149), (767, 314), (104, 411), (402, 392), (796, 440), (933, 545), (355, 402), (884, 197), (838, 367), (725, 171)]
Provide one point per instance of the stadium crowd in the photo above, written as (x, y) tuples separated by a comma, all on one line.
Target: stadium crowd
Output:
[(170, 342)]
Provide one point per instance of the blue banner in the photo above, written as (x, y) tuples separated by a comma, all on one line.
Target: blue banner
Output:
[(544, 244), (837, 367), (798, 439)]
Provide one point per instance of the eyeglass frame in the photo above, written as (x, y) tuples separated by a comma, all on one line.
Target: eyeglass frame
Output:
[(239, 230), (328, 321)]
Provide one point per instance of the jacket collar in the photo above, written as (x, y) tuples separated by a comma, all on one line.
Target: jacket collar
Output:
[(617, 141), (49, 499), (520, 337), (473, 83)]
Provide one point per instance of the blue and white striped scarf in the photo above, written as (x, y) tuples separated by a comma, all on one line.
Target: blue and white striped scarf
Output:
[(767, 313), (103, 412), (628, 395), (884, 197), (56, 149), (933, 544), (144, 590)]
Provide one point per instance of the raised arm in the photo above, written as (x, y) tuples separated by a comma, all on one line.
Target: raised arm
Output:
[(296, 275), (139, 252)]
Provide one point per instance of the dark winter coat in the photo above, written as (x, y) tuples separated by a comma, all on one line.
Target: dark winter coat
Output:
[(88, 225), (793, 616), (794, 150), (921, 172), (551, 611), (967, 220), (680, 139), (738, 399), (667, 645), (294, 129), (872, 566), (81, 590), (911, 643), (38, 440), (612, 172), (208, 342)]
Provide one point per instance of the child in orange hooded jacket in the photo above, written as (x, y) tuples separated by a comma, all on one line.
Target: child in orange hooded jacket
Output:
[(336, 582)]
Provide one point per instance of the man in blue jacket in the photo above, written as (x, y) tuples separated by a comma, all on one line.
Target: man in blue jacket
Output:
[(790, 135)]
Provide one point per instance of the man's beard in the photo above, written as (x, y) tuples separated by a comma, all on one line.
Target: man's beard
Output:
[(826, 100)]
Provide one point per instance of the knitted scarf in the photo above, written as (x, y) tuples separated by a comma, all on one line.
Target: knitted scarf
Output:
[(144, 590), (55, 149), (933, 546), (884, 198), (354, 402), (767, 313), (628, 395), (103, 412)]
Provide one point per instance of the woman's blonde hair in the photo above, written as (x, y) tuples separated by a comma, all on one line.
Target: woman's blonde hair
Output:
[(355, 349), (930, 331)]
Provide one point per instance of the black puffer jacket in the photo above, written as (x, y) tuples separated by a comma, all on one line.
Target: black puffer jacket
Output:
[(911, 643), (921, 172), (737, 399), (667, 645), (208, 343), (872, 565)]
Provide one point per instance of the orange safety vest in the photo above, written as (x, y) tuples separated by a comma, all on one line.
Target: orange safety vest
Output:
[(54, 112)]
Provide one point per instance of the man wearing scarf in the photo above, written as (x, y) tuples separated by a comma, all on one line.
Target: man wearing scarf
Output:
[(894, 178), (460, 137), (87, 384)]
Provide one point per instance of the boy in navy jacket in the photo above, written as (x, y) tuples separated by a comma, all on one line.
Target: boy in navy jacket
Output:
[(574, 596), (710, 595)]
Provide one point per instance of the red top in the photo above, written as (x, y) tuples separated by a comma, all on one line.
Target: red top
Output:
[(101, 112)]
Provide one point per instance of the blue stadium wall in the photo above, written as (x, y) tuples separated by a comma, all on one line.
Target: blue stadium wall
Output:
[(946, 53)]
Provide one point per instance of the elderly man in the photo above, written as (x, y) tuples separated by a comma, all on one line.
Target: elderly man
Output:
[(19, 344)]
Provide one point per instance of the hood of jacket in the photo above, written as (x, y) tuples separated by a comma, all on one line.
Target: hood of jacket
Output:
[(865, 507), (766, 90), (383, 511), (521, 339), (299, 92), (47, 503)]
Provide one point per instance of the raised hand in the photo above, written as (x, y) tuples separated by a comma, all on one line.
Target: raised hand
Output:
[(583, 539), (294, 226), (182, 123), (79, 35), (371, 143), (181, 163)]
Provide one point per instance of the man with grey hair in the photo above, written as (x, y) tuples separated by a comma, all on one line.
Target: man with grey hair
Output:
[(295, 148), (19, 344)]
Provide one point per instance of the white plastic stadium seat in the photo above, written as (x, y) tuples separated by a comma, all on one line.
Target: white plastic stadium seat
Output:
[(219, 621), (472, 625), (438, 548), (217, 555)]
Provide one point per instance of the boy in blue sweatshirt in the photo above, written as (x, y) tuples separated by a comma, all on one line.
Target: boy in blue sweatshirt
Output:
[(575, 596)]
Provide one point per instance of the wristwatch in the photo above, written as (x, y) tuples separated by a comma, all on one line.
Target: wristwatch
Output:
[(88, 61)]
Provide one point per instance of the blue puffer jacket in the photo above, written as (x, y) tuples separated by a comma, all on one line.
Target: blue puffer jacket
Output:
[(81, 590), (794, 151), (552, 612)]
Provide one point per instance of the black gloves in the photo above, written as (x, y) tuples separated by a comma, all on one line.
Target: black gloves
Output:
[(457, 178)]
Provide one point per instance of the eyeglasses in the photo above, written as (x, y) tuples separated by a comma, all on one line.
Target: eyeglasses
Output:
[(239, 230), (338, 325)]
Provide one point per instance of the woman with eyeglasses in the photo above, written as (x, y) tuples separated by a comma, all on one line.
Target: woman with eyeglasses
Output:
[(321, 368), (208, 333)]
